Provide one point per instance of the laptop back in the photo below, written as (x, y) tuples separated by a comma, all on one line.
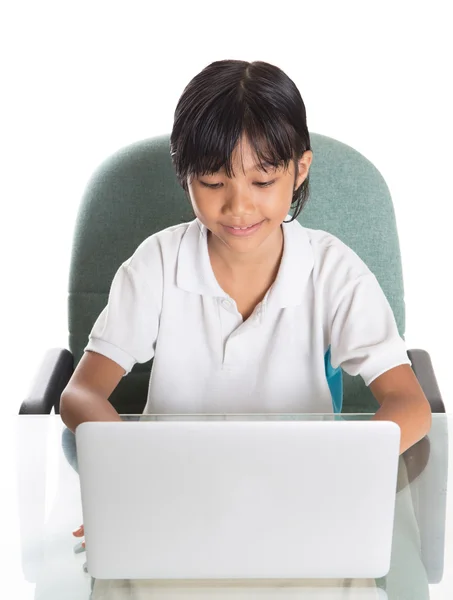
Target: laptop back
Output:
[(238, 499)]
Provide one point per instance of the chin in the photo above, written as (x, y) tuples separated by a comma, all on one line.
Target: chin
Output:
[(244, 245)]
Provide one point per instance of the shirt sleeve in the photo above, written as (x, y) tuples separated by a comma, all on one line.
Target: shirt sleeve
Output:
[(364, 335), (126, 330)]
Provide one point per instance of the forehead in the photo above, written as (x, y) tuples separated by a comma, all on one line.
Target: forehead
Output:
[(251, 165), (244, 159)]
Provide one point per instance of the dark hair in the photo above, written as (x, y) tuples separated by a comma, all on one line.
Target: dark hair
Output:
[(230, 98)]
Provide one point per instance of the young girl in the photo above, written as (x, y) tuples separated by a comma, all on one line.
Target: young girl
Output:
[(242, 308)]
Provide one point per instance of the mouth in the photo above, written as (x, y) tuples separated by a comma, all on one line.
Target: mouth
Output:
[(243, 230)]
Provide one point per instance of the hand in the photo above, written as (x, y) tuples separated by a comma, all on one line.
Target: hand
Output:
[(78, 533)]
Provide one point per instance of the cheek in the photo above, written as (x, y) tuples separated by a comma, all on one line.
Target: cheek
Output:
[(195, 200), (203, 207), (277, 204)]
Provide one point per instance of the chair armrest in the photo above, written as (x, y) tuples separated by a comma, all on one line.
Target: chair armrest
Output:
[(416, 458), (53, 375), (423, 369)]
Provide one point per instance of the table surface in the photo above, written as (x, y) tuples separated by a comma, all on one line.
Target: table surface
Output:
[(40, 502)]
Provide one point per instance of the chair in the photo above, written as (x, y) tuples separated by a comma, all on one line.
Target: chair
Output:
[(135, 193)]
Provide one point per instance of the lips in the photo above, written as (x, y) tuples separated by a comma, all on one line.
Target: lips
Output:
[(242, 230), (242, 227)]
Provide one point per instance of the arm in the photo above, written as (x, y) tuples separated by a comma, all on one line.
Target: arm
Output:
[(124, 333), (365, 341), (86, 397), (402, 401)]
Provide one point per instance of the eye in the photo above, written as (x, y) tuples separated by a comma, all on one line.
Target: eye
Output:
[(265, 183), (215, 186)]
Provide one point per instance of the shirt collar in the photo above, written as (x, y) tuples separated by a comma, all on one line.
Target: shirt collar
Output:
[(194, 271), (296, 266)]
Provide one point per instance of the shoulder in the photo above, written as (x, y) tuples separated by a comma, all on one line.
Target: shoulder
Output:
[(158, 249), (332, 256), (335, 268), (153, 264)]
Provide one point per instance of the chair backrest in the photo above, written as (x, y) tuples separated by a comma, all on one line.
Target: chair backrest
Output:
[(135, 193)]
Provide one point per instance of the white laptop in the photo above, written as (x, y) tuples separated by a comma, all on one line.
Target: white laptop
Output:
[(238, 499)]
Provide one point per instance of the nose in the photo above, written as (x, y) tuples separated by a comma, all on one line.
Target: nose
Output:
[(238, 203)]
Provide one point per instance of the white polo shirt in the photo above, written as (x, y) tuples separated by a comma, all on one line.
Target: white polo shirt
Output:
[(166, 303)]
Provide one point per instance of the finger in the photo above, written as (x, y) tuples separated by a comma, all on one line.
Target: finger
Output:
[(79, 532)]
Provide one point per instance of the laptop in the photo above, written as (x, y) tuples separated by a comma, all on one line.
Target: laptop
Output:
[(238, 499)]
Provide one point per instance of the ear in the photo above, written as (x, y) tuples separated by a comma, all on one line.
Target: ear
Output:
[(304, 167)]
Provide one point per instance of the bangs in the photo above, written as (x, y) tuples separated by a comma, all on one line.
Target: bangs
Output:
[(211, 145)]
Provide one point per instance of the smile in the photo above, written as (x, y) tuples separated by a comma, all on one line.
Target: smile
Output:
[(242, 231)]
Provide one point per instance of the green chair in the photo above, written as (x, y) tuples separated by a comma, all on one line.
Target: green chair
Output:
[(135, 193)]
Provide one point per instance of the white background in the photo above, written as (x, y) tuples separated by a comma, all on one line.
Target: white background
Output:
[(80, 80)]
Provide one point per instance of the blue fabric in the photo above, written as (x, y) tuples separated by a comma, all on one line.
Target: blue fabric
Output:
[(335, 381)]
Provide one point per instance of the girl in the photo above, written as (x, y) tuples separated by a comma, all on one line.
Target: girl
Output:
[(243, 307)]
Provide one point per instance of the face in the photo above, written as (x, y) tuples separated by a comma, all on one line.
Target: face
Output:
[(245, 212)]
